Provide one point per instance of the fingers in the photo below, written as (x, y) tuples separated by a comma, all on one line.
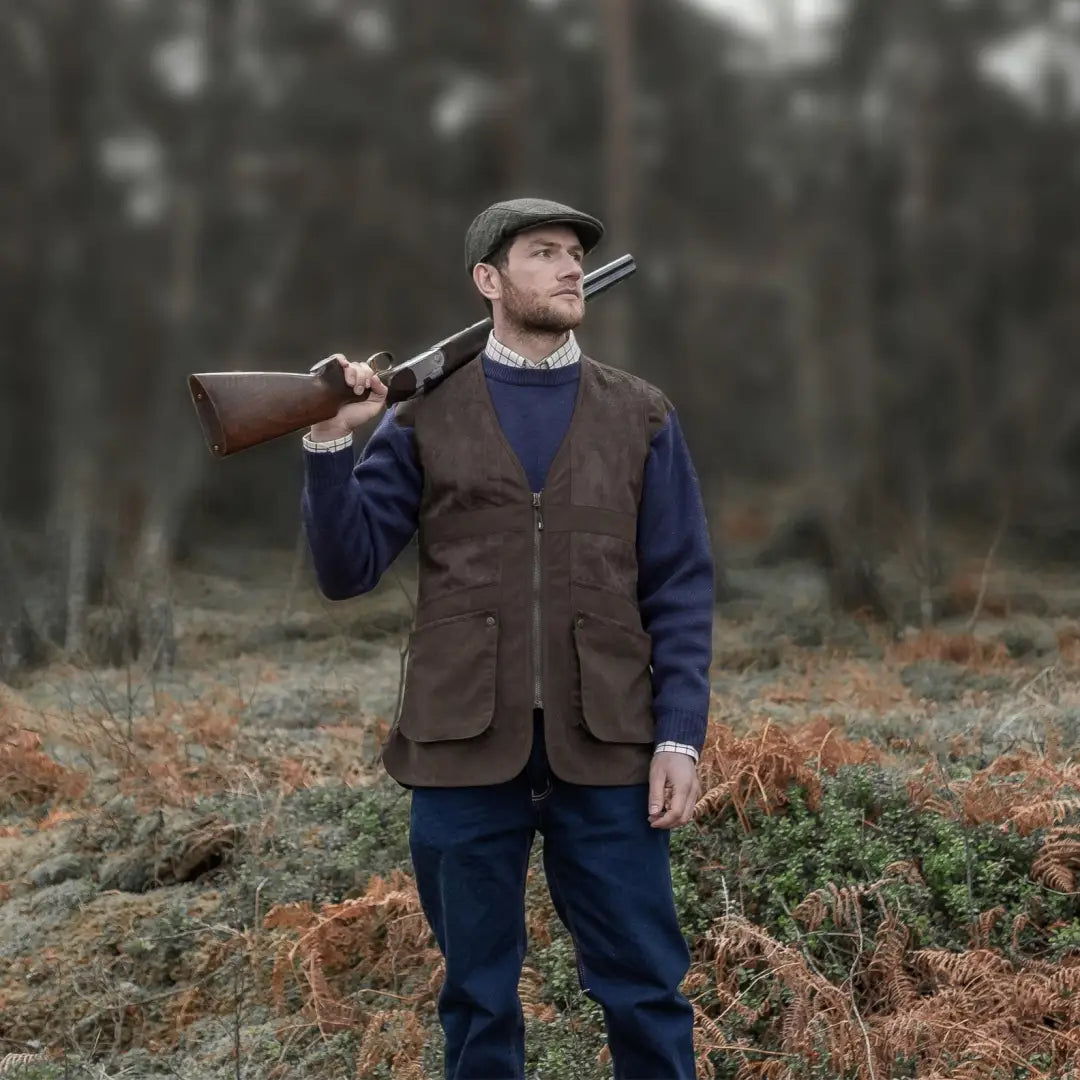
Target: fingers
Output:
[(665, 794), (673, 793), (679, 793), (360, 377), (657, 789), (691, 801)]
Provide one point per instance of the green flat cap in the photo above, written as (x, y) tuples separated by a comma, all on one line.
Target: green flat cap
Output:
[(505, 219)]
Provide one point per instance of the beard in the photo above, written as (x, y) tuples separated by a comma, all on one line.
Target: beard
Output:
[(536, 315)]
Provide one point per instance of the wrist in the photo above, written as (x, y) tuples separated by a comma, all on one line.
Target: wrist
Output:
[(328, 432)]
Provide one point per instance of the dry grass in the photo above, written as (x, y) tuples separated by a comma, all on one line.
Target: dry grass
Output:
[(974, 653)]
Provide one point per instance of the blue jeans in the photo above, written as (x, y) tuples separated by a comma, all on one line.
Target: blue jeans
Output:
[(610, 880)]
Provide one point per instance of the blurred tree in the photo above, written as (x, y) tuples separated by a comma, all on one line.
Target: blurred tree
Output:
[(903, 209), (620, 164), (858, 262)]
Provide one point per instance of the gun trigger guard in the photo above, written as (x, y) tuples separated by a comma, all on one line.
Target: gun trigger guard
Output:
[(373, 362)]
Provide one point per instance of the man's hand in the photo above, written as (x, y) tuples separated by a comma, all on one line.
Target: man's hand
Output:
[(674, 790), (352, 414)]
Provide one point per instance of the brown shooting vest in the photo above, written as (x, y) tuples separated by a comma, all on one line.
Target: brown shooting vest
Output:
[(528, 601)]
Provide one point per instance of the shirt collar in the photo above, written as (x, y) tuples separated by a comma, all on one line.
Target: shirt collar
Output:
[(567, 354)]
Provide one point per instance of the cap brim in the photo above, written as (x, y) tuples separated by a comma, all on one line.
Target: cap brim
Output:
[(589, 231)]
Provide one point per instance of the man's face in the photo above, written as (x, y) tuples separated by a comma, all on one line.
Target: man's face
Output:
[(541, 284)]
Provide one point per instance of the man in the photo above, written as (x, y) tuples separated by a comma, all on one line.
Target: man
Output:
[(558, 667)]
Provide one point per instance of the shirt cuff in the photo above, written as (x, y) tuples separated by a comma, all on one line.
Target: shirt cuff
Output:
[(676, 748), (332, 447)]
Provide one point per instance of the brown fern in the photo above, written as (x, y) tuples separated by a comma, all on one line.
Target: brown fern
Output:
[(1020, 789), (383, 930), (984, 927), (28, 775), (761, 769), (10, 1062), (975, 1014), (844, 904), (393, 1037), (1040, 815), (1019, 923), (950, 968), (886, 971), (817, 1013), (1058, 859)]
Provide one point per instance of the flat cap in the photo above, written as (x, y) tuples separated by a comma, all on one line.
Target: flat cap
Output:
[(505, 219)]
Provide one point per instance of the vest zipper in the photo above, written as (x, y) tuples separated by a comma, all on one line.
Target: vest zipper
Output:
[(538, 688)]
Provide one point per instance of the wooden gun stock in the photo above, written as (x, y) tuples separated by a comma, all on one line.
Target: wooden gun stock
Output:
[(240, 409)]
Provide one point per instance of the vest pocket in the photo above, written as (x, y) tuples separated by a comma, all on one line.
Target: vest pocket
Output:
[(615, 679), (450, 678)]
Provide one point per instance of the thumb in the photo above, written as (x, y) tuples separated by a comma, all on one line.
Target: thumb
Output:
[(657, 784)]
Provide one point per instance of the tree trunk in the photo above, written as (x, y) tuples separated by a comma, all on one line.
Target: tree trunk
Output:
[(175, 457), (73, 255), (20, 642), (832, 346), (619, 170)]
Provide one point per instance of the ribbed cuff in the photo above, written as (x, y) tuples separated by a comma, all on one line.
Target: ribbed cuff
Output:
[(325, 469), (685, 728)]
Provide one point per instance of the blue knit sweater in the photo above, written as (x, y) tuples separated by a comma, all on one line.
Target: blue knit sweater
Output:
[(358, 517)]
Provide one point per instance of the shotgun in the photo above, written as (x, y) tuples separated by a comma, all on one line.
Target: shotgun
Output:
[(239, 409)]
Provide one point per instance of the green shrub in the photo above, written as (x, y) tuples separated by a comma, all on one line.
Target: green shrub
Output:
[(321, 844), (865, 824)]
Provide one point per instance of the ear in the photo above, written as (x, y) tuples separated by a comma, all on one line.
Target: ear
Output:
[(487, 281)]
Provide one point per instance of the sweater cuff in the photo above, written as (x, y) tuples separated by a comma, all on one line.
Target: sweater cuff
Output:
[(328, 470), (686, 728)]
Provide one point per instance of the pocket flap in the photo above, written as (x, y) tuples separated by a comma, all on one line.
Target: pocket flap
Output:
[(616, 679), (450, 678)]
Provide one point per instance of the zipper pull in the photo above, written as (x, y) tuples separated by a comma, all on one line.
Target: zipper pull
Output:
[(536, 500)]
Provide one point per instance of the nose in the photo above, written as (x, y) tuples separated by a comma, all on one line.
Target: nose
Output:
[(570, 270)]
